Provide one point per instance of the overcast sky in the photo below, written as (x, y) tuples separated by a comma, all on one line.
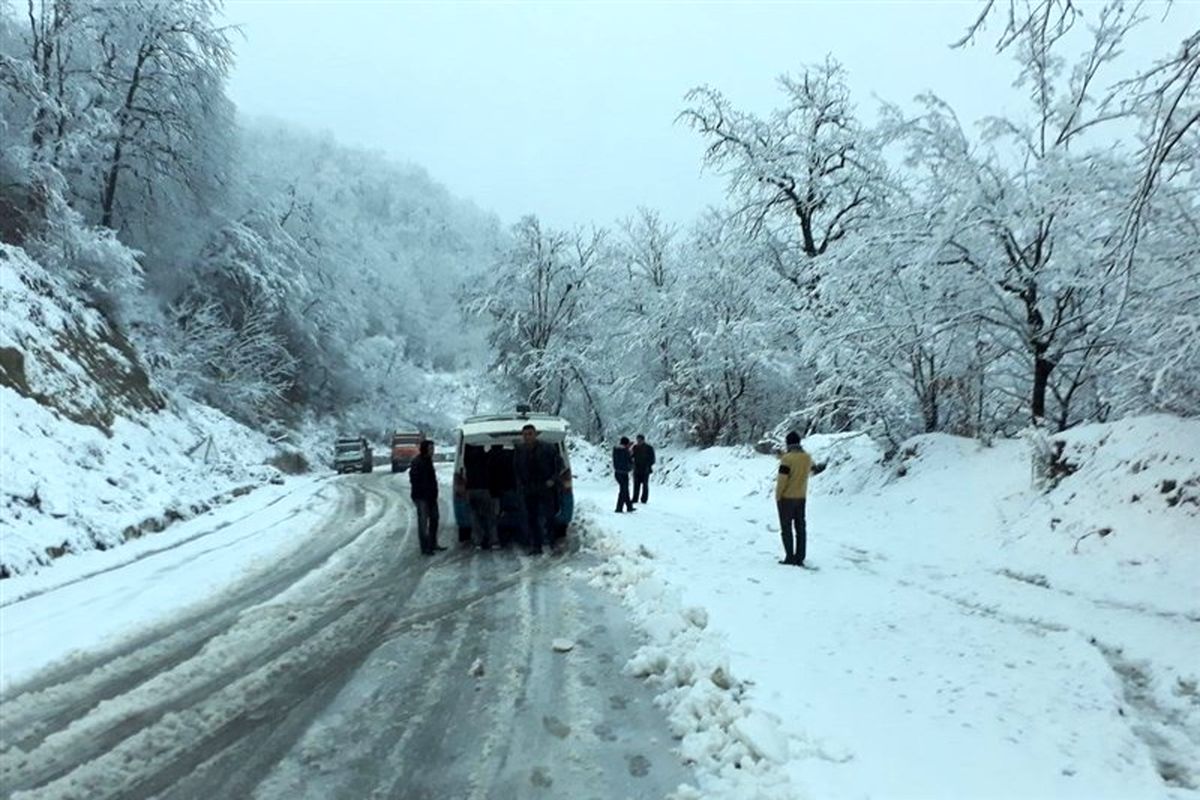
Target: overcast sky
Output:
[(567, 109)]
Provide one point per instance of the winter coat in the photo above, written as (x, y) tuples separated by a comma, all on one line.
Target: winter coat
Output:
[(536, 464), (643, 458), (500, 471), (423, 479), (475, 461), (792, 481), (622, 460)]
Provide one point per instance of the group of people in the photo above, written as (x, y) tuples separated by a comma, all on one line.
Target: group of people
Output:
[(791, 488), (638, 460), (532, 470)]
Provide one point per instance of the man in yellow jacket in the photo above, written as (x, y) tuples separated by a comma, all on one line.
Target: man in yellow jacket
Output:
[(791, 489)]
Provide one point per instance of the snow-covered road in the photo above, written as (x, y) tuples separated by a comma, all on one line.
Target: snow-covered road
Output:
[(305, 653)]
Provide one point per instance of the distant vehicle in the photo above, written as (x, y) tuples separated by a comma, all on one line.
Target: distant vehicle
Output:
[(504, 430), (353, 454), (405, 445)]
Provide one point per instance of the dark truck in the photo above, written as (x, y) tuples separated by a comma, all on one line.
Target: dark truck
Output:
[(353, 454), (405, 446)]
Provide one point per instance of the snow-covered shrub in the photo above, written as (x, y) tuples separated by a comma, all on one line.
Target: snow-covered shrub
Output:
[(93, 261)]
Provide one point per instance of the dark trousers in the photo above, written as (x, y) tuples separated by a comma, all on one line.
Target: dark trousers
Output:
[(641, 486), (427, 524), (539, 508), (483, 516), (624, 502), (791, 515)]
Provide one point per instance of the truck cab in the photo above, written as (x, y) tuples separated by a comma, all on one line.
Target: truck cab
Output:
[(405, 446), (352, 454)]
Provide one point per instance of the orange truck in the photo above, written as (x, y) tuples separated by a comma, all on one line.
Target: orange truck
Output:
[(405, 446)]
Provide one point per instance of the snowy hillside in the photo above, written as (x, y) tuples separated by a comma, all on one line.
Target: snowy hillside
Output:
[(964, 634), (90, 455)]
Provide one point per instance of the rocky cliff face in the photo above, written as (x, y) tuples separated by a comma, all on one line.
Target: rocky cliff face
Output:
[(62, 353)]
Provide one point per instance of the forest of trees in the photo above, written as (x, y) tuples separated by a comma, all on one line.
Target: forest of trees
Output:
[(271, 273), (899, 275), (902, 276)]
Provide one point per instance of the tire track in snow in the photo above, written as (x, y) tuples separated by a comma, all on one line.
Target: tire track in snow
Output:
[(1172, 746), (97, 715), (356, 685), (225, 524), (77, 686)]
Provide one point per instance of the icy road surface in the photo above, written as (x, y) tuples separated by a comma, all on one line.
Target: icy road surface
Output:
[(338, 663)]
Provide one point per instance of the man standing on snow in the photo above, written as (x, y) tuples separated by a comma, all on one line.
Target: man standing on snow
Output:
[(622, 466), (791, 490), (643, 460), (501, 481), (479, 496), (537, 466), (425, 496)]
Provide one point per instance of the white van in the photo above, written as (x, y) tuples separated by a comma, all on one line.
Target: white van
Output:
[(482, 434)]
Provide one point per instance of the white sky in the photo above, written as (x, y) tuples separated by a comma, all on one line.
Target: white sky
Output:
[(567, 109)]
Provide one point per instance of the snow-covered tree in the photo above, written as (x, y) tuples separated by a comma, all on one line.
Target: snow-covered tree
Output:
[(540, 299)]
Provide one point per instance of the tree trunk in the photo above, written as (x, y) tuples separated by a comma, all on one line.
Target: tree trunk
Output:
[(1042, 367), (110, 187)]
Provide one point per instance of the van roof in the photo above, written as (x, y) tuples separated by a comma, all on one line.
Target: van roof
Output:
[(501, 425)]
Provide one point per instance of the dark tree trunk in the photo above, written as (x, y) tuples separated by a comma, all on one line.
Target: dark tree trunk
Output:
[(110, 187), (1042, 367)]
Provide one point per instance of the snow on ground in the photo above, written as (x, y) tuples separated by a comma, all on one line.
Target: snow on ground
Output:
[(95, 598), (964, 635), (91, 455), (68, 488)]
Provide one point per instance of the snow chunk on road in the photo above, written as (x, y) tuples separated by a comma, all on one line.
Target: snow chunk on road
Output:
[(761, 734), (562, 645), (697, 616)]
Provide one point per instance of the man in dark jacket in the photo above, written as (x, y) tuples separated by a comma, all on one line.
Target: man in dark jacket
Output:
[(536, 466), (501, 483), (622, 465), (425, 496), (479, 496), (643, 460)]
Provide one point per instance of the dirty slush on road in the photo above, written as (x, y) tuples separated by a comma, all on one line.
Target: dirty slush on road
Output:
[(355, 668)]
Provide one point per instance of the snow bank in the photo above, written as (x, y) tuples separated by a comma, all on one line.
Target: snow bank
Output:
[(68, 488), (735, 750)]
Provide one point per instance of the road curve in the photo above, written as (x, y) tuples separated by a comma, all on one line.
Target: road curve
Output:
[(355, 668)]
